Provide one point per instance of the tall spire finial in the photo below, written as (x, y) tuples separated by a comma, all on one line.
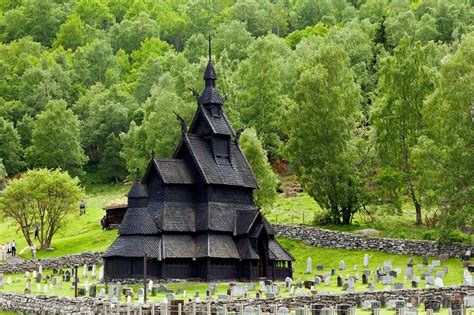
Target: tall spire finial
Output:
[(210, 46)]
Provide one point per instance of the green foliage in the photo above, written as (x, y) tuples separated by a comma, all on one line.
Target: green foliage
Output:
[(41, 197), (321, 128), (72, 34), (10, 148), (265, 196), (317, 30), (448, 118), (406, 79), (113, 166), (259, 98), (3, 171), (159, 132), (55, 140), (128, 35)]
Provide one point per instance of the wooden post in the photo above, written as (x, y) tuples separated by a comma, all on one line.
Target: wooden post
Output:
[(305, 309), (180, 308), (144, 275), (75, 280), (194, 308), (208, 308)]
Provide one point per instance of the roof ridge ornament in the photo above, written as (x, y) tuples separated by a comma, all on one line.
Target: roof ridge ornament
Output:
[(137, 175)]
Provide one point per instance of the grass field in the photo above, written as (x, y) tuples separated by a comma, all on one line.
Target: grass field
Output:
[(82, 233), (328, 257)]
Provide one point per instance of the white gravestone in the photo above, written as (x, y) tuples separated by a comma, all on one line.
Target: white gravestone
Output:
[(366, 260), (309, 265)]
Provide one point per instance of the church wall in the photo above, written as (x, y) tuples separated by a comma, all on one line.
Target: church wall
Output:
[(229, 194), (179, 193), (178, 269), (155, 187)]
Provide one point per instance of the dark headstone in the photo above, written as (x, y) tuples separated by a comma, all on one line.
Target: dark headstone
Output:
[(81, 292), (414, 284), (38, 278), (343, 309), (425, 261), (393, 273), (345, 286), (410, 262), (308, 284), (317, 309), (339, 281), (153, 291), (93, 291), (365, 279), (434, 305), (319, 267), (333, 272), (466, 257), (399, 304)]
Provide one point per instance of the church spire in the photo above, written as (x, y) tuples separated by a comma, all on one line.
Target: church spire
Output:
[(210, 75), (210, 95)]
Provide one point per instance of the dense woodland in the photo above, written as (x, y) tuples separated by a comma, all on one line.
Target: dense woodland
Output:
[(370, 102)]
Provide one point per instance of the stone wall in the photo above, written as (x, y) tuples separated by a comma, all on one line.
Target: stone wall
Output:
[(51, 263), (356, 298), (332, 239), (64, 305)]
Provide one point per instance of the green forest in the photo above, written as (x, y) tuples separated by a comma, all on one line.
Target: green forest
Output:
[(369, 103)]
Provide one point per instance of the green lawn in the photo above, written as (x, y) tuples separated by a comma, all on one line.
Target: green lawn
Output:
[(329, 257), (82, 233)]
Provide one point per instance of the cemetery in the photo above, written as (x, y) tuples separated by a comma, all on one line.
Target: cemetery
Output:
[(322, 276), (340, 99)]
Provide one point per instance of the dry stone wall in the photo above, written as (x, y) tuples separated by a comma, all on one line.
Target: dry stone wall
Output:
[(331, 239), (64, 305), (52, 263)]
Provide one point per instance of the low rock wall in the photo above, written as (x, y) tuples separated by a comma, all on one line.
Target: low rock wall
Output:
[(331, 239), (57, 305), (51, 263)]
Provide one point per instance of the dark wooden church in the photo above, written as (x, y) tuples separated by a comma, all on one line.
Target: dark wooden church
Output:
[(193, 214)]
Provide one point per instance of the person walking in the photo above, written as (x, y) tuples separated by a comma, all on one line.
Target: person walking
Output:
[(33, 251), (36, 231), (82, 208), (13, 248)]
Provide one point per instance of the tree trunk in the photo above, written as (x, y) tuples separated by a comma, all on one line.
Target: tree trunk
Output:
[(346, 216), (407, 171)]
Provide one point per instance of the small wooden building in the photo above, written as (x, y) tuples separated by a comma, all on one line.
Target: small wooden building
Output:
[(114, 214), (193, 215)]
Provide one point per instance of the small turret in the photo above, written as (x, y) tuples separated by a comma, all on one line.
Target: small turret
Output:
[(137, 196)]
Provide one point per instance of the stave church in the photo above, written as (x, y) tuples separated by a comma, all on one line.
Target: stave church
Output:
[(192, 216)]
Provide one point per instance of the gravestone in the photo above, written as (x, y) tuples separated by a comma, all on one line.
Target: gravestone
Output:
[(141, 296), (327, 280), (387, 280), (356, 267), (309, 265), (371, 287), (238, 291), (101, 294), (393, 273), (440, 274), (425, 261), (101, 273), (93, 291), (299, 283), (283, 311), (398, 285), (81, 292), (409, 272), (249, 310), (93, 272), (387, 267), (436, 263), (342, 265), (67, 276), (430, 280), (333, 272), (319, 267), (169, 296), (434, 305), (38, 278), (339, 281), (366, 260), (443, 257), (420, 267), (28, 287), (414, 284), (288, 282), (317, 280), (438, 282), (410, 262), (365, 279), (467, 278), (85, 271)]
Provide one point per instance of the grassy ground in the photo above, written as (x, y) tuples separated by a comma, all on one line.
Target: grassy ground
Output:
[(328, 257), (82, 233)]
